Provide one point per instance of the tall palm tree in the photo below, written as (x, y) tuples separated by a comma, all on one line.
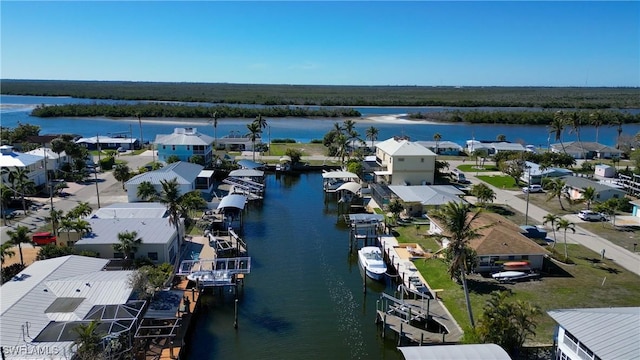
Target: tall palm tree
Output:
[(6, 194), (128, 244), (82, 226), (21, 184), (18, 237), (457, 220), (6, 251), (556, 190), (214, 117), (597, 120), (192, 201), (67, 224), (553, 220), (170, 197), (146, 191), (618, 122), (575, 121), (372, 134), (254, 130), (564, 224), (556, 127), (121, 173), (349, 126), (341, 144), (337, 128), (483, 193), (589, 195), (262, 122), (437, 137), (55, 216)]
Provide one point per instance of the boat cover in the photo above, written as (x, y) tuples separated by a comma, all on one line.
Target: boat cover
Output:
[(234, 200)]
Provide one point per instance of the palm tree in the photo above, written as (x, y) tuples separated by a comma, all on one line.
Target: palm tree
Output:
[(589, 195), (254, 130), (192, 201), (395, 207), (67, 224), (5, 197), (6, 251), (618, 121), (146, 191), (372, 134), (214, 117), (170, 197), (55, 216), (19, 236), (121, 173), (21, 184), (564, 224), (81, 226), (128, 243), (556, 127), (437, 137), (597, 120), (262, 122), (457, 221), (556, 190), (483, 193), (341, 144), (575, 121), (88, 340), (553, 220), (80, 210)]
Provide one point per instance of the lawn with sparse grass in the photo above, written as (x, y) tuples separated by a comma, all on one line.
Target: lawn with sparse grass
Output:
[(588, 283), (500, 181), (307, 149)]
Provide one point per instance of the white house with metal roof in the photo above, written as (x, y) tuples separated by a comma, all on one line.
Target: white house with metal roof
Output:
[(442, 147), (404, 163), (54, 160), (184, 143), (586, 150), (160, 238), (33, 163), (42, 305), (186, 174), (597, 333)]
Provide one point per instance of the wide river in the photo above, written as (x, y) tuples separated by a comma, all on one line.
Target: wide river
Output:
[(16, 109)]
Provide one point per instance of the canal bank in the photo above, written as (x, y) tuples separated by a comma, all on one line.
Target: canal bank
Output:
[(304, 297)]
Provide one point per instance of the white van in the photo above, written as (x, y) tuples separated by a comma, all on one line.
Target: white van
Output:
[(458, 176)]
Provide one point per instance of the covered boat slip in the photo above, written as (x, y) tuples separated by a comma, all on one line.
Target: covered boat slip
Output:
[(249, 182), (332, 180), (214, 272)]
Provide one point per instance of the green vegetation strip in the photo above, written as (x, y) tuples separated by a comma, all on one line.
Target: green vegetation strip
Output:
[(473, 168), (501, 182)]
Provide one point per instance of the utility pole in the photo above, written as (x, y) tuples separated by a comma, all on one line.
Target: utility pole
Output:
[(526, 212)]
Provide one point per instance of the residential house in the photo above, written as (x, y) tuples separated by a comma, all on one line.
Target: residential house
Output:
[(160, 238), (404, 163), (417, 199), (604, 171), (54, 160), (534, 173), (493, 147), (12, 160), (184, 143), (236, 141), (189, 176), (586, 150), (575, 187), (43, 304), (611, 333), (109, 143), (442, 147), (500, 241)]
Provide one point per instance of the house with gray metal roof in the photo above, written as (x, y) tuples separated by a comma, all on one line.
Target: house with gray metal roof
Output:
[(417, 199), (42, 305), (575, 186), (160, 238), (108, 142), (442, 147), (189, 176), (597, 333), (586, 150)]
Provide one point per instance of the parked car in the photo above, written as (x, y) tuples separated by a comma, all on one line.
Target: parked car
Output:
[(43, 238), (532, 189), (588, 215), (121, 149), (533, 232)]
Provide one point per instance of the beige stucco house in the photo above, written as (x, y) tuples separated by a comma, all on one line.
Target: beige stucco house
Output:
[(404, 163)]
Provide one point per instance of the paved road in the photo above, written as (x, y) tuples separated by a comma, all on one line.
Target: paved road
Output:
[(618, 254), (109, 191)]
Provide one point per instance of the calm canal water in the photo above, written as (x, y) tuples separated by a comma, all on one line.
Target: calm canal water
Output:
[(303, 298)]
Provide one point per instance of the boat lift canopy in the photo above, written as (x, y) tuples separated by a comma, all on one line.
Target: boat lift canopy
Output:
[(234, 200), (248, 164), (247, 173), (339, 175), (352, 186)]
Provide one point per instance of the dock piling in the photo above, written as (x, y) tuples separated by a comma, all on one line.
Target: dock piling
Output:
[(235, 315), (384, 324), (364, 281)]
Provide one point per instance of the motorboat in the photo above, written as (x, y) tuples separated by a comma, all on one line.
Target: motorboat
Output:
[(210, 277), (371, 260), (505, 276)]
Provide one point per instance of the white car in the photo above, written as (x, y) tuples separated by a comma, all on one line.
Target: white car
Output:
[(588, 215), (532, 189)]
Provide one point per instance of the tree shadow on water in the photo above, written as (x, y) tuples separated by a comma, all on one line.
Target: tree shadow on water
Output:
[(268, 321)]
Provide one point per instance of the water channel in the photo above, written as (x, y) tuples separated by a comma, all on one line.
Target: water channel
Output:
[(304, 297)]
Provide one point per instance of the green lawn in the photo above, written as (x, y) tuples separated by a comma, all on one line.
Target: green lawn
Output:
[(500, 181), (470, 168), (588, 283)]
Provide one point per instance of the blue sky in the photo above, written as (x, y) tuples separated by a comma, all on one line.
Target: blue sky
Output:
[(332, 43)]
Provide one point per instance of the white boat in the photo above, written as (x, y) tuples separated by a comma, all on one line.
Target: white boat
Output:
[(370, 259), (509, 275), (210, 277)]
